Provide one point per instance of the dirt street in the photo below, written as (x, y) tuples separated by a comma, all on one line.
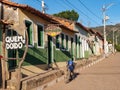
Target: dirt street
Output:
[(104, 75)]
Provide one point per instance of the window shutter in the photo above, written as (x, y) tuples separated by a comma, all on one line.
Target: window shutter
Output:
[(30, 35)]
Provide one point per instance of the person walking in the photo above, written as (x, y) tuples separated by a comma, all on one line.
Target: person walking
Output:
[(71, 67)]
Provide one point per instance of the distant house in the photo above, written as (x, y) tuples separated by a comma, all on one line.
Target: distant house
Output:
[(83, 37), (100, 43), (96, 43)]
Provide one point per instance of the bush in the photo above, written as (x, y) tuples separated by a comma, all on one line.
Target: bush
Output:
[(117, 47)]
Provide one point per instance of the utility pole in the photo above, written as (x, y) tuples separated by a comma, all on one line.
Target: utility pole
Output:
[(104, 29), (105, 18)]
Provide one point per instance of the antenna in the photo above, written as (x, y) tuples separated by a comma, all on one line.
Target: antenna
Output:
[(43, 6), (89, 24), (81, 21)]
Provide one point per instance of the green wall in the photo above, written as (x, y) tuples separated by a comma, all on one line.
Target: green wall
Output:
[(61, 56), (87, 54), (36, 56)]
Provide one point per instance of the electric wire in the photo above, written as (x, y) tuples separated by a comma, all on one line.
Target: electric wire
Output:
[(89, 10), (81, 12)]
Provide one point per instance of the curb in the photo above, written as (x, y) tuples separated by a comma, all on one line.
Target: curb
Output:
[(62, 77), (89, 65), (50, 83)]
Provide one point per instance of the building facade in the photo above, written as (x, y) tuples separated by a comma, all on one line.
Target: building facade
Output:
[(39, 40)]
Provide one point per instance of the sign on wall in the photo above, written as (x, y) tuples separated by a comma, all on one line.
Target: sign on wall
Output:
[(14, 42), (53, 30)]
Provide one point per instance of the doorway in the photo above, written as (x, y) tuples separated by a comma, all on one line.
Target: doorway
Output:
[(50, 51)]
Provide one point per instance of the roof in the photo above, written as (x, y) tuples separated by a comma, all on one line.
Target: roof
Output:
[(36, 12), (93, 32), (63, 21), (99, 34), (29, 9), (68, 23), (84, 28)]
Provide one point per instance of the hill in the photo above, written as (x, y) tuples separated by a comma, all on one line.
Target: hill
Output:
[(109, 32)]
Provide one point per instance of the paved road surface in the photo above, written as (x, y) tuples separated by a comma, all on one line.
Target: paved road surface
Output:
[(104, 75)]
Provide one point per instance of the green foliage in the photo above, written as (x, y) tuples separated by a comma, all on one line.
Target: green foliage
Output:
[(70, 15), (117, 47)]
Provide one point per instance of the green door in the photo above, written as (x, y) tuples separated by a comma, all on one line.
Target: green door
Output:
[(50, 50), (72, 51)]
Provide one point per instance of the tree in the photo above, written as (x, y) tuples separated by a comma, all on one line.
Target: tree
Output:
[(70, 15)]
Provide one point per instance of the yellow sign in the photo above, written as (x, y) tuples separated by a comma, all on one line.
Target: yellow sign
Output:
[(53, 30)]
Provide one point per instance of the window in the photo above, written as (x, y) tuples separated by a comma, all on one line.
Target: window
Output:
[(40, 35), (11, 33), (29, 31), (57, 41), (62, 41), (66, 42)]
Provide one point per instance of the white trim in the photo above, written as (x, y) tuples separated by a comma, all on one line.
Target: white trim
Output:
[(32, 31)]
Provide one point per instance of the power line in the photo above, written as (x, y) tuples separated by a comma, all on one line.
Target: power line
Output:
[(68, 4), (61, 4), (81, 11), (89, 10), (39, 1)]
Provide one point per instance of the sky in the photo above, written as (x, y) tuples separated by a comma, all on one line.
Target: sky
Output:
[(90, 11)]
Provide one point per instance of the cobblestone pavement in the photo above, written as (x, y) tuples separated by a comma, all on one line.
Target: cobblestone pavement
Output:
[(104, 75)]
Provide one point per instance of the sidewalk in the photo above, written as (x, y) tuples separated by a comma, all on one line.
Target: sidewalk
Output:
[(104, 75), (80, 65)]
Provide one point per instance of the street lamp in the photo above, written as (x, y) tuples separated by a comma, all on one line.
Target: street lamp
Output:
[(105, 18)]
